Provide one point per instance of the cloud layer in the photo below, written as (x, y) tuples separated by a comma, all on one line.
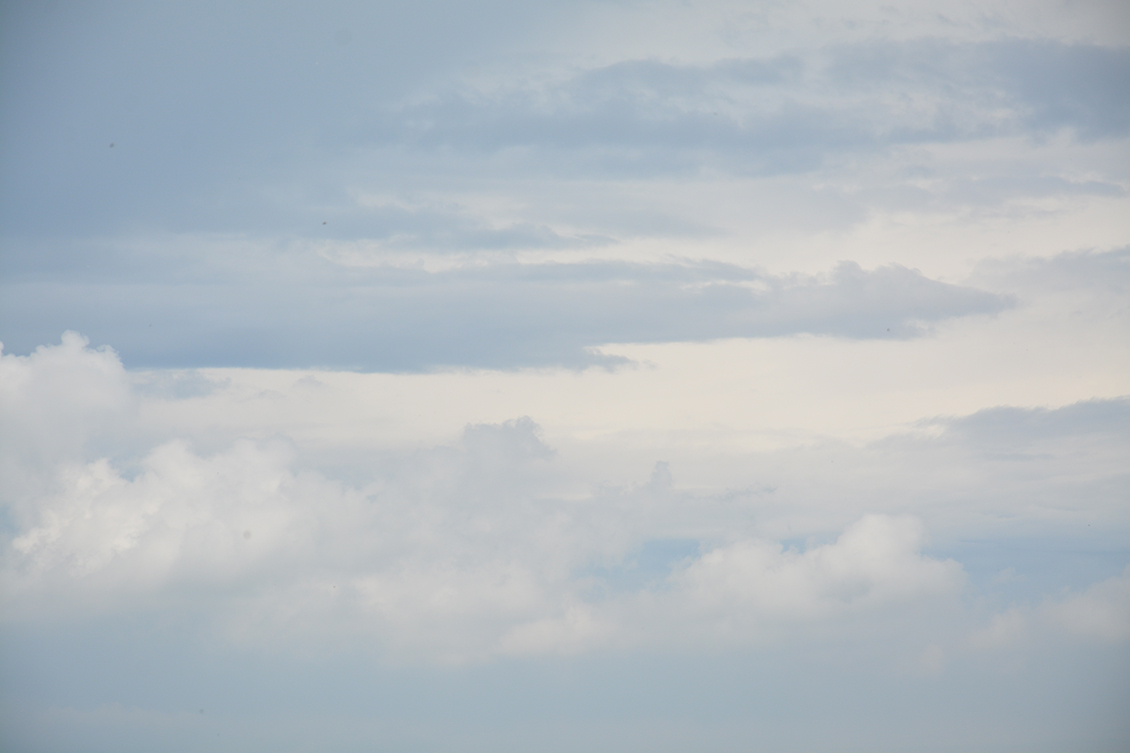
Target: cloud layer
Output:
[(502, 316), (614, 376), (484, 547)]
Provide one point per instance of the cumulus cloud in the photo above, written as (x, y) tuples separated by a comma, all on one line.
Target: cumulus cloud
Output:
[(453, 553), (55, 403), (490, 531), (454, 563), (439, 556), (875, 560), (183, 522), (62, 386), (494, 549)]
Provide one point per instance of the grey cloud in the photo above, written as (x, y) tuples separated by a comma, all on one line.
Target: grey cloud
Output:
[(260, 123), (1096, 272), (499, 316), (1020, 429), (1067, 86), (991, 88), (447, 229), (788, 113), (1048, 484), (989, 192)]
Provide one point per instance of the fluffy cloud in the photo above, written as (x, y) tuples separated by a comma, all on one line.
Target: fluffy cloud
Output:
[(454, 552), (487, 546), (875, 560), (453, 563), (56, 404), (59, 395), (173, 503)]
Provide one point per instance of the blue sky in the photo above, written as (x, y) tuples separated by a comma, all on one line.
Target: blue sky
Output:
[(610, 376)]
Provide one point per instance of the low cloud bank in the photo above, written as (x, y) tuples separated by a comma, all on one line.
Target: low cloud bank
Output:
[(454, 553)]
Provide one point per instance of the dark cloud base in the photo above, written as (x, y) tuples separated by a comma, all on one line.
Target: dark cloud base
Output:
[(501, 316)]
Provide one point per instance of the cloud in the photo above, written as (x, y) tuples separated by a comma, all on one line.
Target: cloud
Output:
[(184, 522), (437, 558), (494, 550), (391, 226), (873, 501), (783, 114), (451, 556), (875, 560), (1101, 612), (235, 133), (1098, 614), (498, 316), (1004, 429), (1098, 273), (56, 404), (449, 553)]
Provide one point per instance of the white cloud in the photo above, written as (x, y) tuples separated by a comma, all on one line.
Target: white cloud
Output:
[(55, 403), (876, 560), (53, 399), (450, 553), (452, 557), (183, 523), (493, 542)]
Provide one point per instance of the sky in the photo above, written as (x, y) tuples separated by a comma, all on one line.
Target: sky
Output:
[(504, 376)]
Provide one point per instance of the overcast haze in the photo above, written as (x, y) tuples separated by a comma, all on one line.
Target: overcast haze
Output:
[(530, 376)]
